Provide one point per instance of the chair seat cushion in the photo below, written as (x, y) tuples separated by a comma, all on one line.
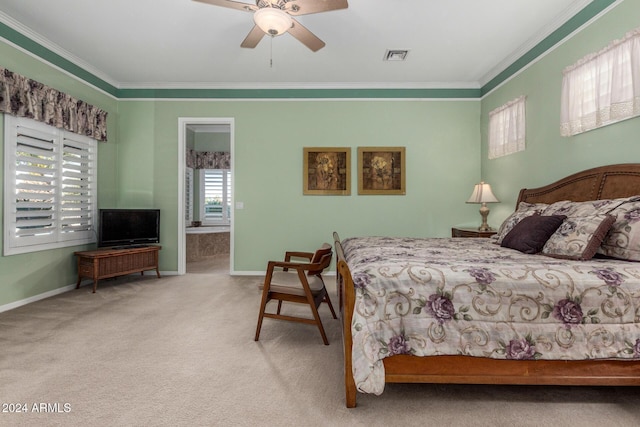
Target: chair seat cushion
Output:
[(288, 282)]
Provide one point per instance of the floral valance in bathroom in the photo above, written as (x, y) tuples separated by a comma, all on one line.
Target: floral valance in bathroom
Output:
[(208, 159), (24, 97)]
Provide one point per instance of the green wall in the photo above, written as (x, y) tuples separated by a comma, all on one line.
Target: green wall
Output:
[(440, 137), (136, 154), (548, 156), (445, 141), (26, 275)]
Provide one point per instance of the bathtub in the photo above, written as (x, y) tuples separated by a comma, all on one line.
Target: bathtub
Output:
[(209, 229), (205, 242)]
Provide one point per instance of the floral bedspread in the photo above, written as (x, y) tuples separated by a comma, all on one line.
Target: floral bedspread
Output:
[(444, 296)]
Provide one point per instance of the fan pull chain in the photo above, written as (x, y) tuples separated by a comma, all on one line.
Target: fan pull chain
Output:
[(271, 53)]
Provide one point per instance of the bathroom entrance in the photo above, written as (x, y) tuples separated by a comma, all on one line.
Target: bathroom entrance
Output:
[(208, 192)]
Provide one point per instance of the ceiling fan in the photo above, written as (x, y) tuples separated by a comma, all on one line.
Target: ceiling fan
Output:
[(275, 17)]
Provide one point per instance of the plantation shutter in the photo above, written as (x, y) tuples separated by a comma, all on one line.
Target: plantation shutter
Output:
[(217, 195), (50, 187), (213, 194), (188, 196), (227, 195), (77, 206), (34, 217)]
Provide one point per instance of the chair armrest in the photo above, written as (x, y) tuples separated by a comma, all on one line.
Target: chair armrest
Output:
[(296, 254), (285, 265)]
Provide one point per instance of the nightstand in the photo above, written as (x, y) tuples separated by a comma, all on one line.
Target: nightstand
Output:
[(470, 232)]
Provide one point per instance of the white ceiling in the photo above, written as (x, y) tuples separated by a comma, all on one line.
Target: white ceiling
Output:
[(187, 44)]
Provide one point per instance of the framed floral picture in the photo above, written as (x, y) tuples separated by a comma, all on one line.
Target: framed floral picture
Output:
[(327, 171), (381, 170)]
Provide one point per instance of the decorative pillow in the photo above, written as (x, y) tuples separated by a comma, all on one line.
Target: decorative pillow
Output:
[(579, 209), (590, 207), (524, 210), (578, 237), (623, 239), (530, 234)]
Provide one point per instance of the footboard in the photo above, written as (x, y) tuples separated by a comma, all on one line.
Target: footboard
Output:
[(346, 298)]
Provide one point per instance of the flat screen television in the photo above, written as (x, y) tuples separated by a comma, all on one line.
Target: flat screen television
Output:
[(128, 227)]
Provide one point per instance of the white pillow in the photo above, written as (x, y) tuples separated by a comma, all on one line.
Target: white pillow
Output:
[(524, 210)]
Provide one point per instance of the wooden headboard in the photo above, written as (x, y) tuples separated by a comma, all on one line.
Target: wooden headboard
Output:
[(604, 182)]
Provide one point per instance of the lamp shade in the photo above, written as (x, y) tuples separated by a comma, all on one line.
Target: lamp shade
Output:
[(272, 21), (482, 194)]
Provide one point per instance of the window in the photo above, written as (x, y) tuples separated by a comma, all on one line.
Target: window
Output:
[(50, 187), (602, 88), (507, 128), (215, 196), (188, 196)]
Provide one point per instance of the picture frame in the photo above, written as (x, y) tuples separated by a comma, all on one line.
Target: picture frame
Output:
[(381, 170), (327, 171)]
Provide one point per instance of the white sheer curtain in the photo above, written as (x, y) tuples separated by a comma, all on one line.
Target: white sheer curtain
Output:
[(507, 128), (602, 88)]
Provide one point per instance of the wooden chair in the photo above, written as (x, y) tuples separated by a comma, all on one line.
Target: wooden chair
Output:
[(303, 284)]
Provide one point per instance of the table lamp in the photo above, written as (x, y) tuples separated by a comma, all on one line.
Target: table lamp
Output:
[(482, 194)]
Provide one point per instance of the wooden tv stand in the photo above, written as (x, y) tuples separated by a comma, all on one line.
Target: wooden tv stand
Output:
[(113, 262)]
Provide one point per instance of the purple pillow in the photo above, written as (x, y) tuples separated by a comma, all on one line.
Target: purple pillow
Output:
[(531, 233)]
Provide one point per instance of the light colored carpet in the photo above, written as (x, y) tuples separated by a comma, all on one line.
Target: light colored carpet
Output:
[(179, 351)]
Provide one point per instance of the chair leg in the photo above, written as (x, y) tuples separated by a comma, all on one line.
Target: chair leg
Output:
[(316, 316), (263, 305), (279, 306)]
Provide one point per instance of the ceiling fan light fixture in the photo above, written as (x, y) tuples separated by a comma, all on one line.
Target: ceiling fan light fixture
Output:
[(272, 21)]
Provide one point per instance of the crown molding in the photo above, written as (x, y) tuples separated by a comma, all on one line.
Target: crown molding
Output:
[(301, 86), (532, 42), (580, 20), (579, 15), (299, 94), (54, 48)]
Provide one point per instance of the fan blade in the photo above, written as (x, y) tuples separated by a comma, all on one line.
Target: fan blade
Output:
[(232, 4), (253, 38), (307, 7), (305, 36)]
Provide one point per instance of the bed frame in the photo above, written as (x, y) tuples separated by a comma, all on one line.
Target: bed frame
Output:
[(605, 182)]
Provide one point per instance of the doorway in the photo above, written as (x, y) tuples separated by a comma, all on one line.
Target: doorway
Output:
[(205, 135)]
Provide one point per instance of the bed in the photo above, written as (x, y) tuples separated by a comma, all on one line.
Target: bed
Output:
[(469, 311)]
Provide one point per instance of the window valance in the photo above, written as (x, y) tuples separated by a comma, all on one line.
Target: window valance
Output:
[(23, 97), (208, 159)]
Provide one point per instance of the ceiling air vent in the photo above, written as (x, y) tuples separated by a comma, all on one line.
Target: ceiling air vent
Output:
[(396, 55)]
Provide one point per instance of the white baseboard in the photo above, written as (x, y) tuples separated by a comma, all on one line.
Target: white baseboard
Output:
[(35, 298), (68, 288), (62, 290), (163, 273)]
